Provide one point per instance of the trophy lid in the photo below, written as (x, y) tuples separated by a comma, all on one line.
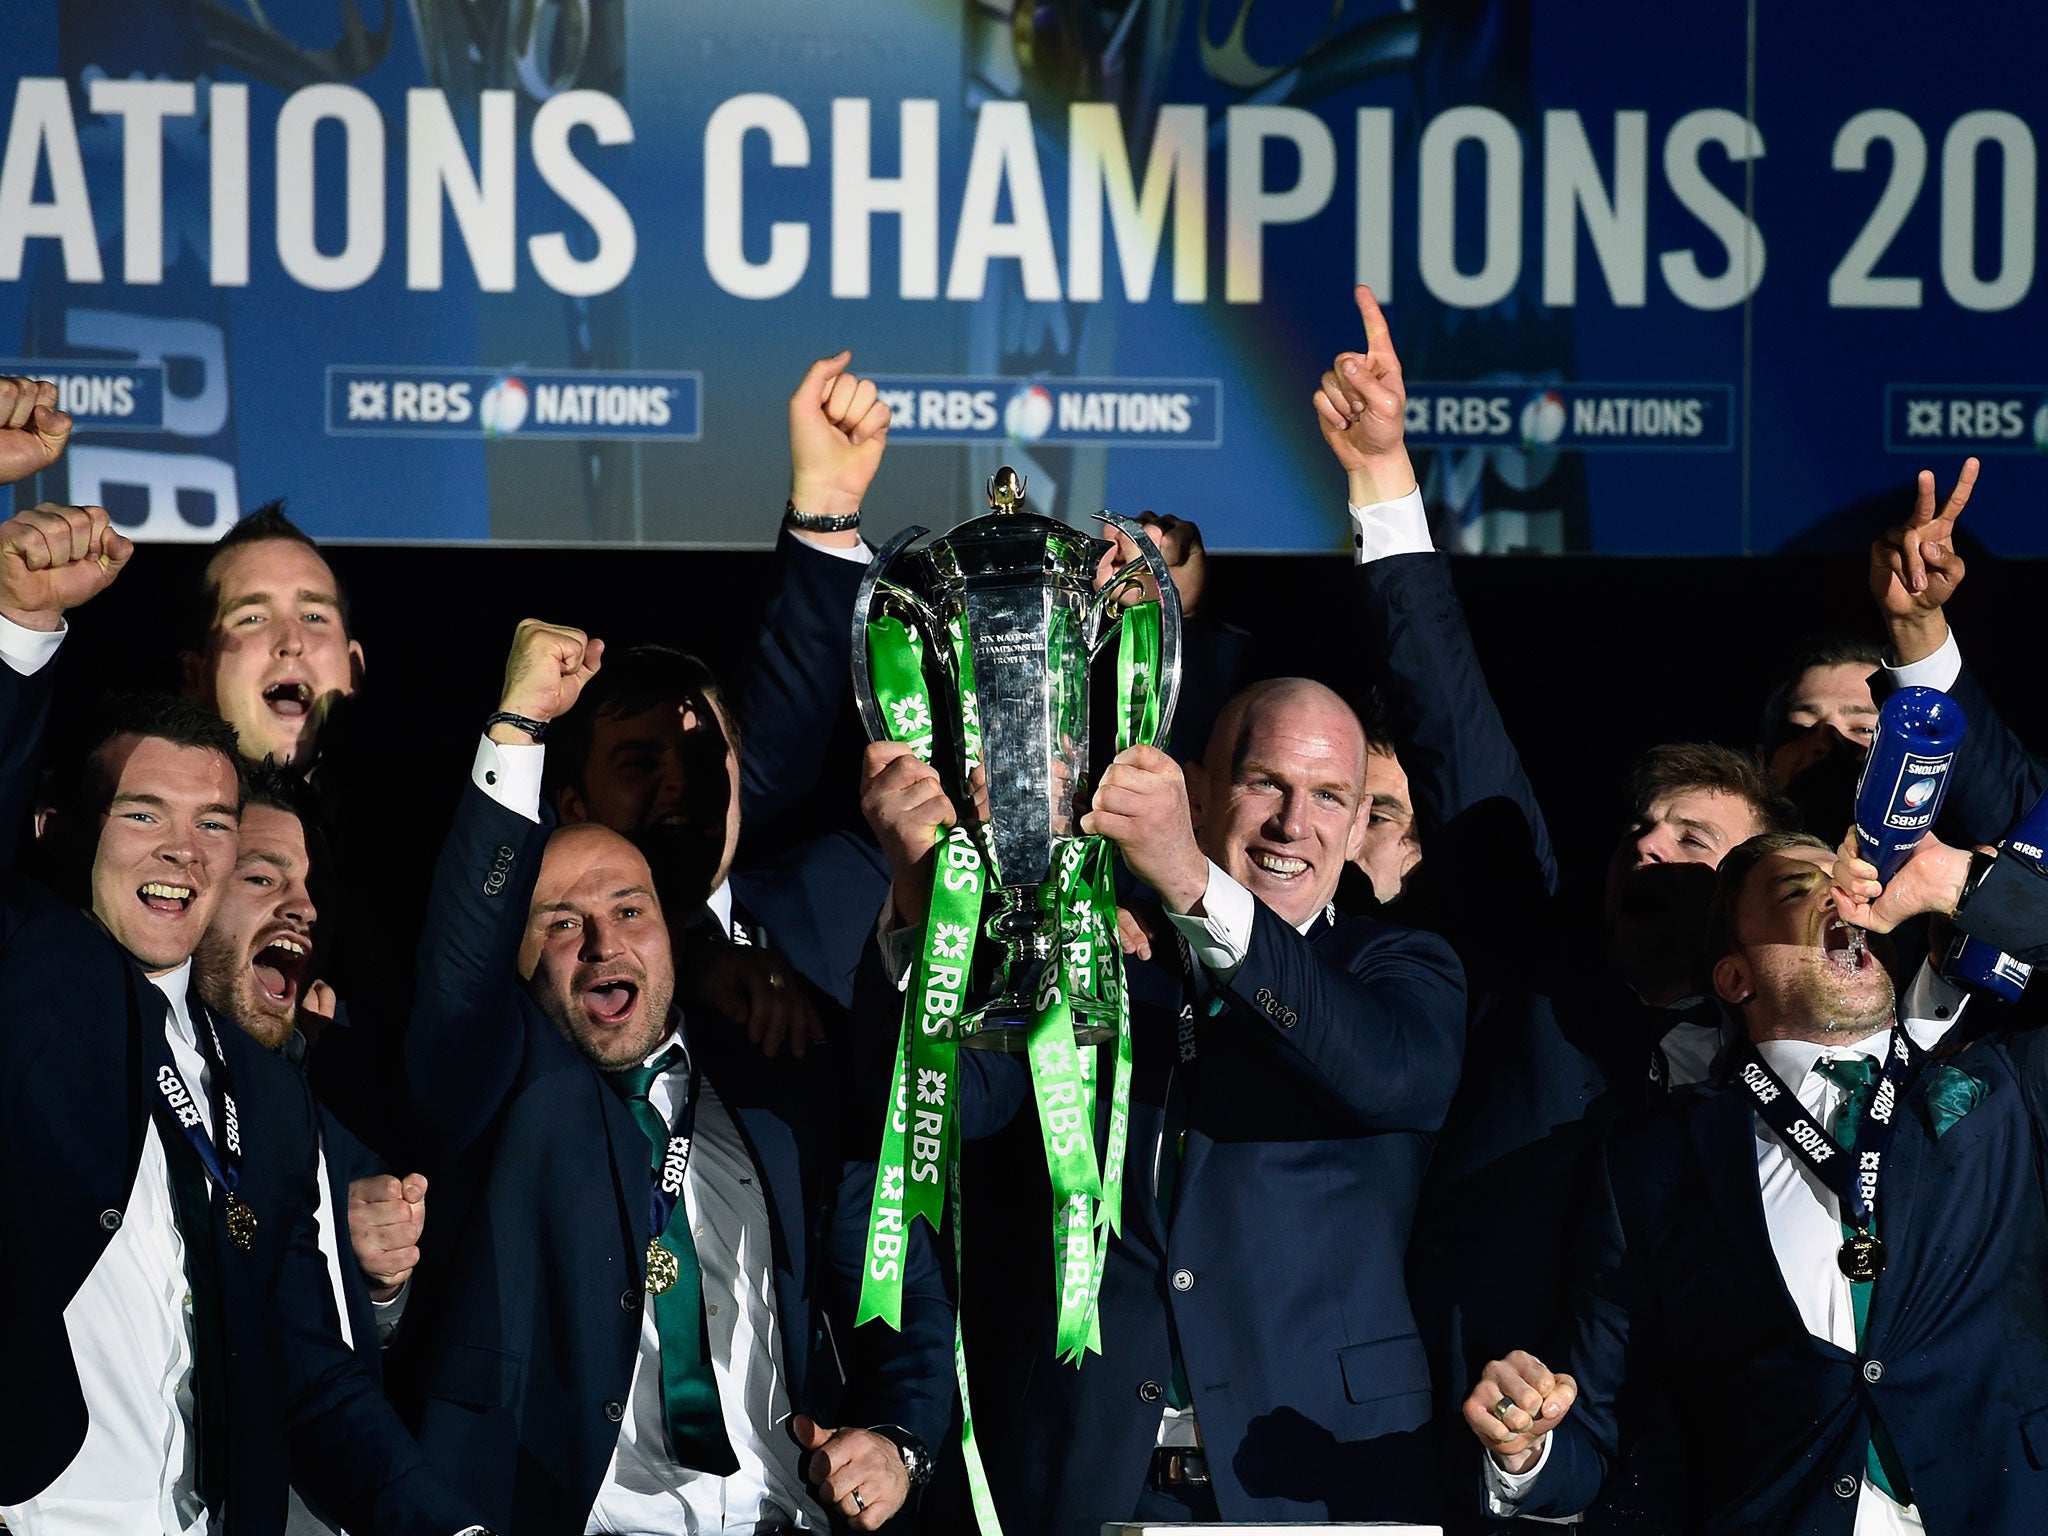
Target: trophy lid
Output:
[(1008, 541)]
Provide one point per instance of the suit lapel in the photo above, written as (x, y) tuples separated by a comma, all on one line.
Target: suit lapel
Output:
[(1723, 1133)]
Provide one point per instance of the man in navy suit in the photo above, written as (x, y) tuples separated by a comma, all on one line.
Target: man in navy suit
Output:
[(1289, 1068), (177, 1321), (590, 1346), (1817, 1368)]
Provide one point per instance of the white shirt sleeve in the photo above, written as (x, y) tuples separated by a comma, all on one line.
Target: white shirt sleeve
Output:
[(390, 1313), (1223, 933), (860, 553), (1937, 671), (510, 775), (26, 650), (1505, 1490), (1397, 527), (1931, 1006), (898, 943)]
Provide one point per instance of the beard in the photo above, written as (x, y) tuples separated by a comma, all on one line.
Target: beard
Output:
[(1840, 1006), (221, 973)]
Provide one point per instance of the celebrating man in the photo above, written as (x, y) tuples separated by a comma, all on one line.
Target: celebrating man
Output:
[(1848, 1234), (623, 1319), (176, 1321), (1289, 1067)]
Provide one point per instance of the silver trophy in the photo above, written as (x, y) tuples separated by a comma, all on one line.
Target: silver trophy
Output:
[(1022, 587)]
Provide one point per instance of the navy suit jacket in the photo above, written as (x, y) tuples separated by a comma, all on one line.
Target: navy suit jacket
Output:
[(1682, 1286), (1316, 1086), (76, 1018), (517, 1350)]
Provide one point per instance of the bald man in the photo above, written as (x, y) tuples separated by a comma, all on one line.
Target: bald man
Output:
[(1260, 1360), (624, 1314)]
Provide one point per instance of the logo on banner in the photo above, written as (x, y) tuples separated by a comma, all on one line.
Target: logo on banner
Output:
[(1181, 413), (1967, 418), (1577, 418), (378, 400), (127, 397)]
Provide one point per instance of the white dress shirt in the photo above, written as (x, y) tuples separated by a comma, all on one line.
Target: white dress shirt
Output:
[(1397, 527), (130, 1326), (645, 1491), (1804, 1220), (1939, 670)]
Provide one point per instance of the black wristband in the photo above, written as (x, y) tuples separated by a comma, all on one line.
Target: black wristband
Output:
[(534, 728), (815, 522)]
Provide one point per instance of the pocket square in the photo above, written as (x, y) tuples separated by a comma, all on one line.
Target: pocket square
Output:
[(1951, 1094)]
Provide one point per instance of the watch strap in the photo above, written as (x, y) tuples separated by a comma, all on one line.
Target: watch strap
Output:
[(817, 522), (917, 1460)]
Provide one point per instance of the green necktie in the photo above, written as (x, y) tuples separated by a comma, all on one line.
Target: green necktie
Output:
[(1856, 1076), (689, 1385)]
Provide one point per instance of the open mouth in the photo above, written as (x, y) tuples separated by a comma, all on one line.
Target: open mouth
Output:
[(160, 896), (611, 1001), (1844, 947), (280, 967), (1278, 866), (289, 700)]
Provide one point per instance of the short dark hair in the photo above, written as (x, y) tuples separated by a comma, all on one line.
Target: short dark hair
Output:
[(279, 786), (631, 682), (267, 522), (1835, 650), (164, 716), (1703, 765), (1377, 721), (1730, 878)]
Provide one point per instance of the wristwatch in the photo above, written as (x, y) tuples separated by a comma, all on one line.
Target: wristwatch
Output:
[(917, 1461), (817, 522), (533, 728)]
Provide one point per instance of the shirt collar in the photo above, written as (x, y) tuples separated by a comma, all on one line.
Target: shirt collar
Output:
[(675, 1037), (720, 903), (1792, 1060)]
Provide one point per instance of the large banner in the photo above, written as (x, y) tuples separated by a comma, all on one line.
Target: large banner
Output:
[(1665, 279)]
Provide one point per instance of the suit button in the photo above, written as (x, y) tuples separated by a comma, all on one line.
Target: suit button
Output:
[(629, 1300), (110, 1221), (1873, 1370), (1150, 1392), (1845, 1487), (615, 1411), (1183, 1279)]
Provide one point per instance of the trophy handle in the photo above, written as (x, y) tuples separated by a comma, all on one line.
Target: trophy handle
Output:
[(1169, 616), (864, 694)]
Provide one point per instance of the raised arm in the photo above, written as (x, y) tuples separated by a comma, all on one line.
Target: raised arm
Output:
[(1450, 735), (1915, 569), (52, 559), (798, 690), (466, 1042)]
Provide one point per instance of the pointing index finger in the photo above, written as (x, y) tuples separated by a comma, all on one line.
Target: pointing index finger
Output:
[(1377, 339)]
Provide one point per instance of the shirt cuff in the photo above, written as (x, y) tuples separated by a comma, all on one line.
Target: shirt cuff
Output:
[(1931, 1006), (26, 650), (389, 1313), (1397, 527), (1937, 671), (861, 553), (1505, 1490), (898, 943), (1222, 935), (510, 775)]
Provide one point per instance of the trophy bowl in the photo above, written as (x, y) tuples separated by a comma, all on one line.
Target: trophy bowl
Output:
[(1010, 629)]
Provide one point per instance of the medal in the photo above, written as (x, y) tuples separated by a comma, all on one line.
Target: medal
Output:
[(241, 1224), (662, 1268), (1862, 1257)]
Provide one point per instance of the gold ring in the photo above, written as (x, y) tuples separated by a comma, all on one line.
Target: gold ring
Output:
[(1500, 1409)]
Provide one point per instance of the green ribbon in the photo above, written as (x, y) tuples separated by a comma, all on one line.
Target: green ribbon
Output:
[(1085, 989)]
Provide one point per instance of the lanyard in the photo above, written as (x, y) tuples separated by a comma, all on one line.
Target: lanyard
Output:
[(1851, 1172), (667, 1187), (223, 1162)]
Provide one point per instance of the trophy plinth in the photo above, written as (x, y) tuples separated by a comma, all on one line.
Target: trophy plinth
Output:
[(1010, 624)]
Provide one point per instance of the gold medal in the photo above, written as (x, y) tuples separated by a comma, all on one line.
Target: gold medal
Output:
[(662, 1269), (241, 1224), (1862, 1257)]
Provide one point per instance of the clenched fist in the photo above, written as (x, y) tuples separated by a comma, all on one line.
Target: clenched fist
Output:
[(54, 558), (545, 673), (1141, 805), (854, 1471), (33, 431), (838, 427), (907, 805), (385, 1219), (1517, 1402), (1180, 546)]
